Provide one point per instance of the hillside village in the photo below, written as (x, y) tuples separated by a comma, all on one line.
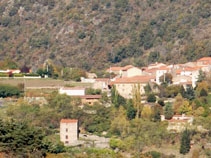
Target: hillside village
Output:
[(97, 111)]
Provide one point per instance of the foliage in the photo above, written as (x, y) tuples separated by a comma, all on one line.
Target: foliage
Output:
[(116, 99), (73, 74), (137, 100), (161, 102), (168, 112), (185, 142), (151, 98), (90, 91), (17, 138), (166, 79), (185, 108), (9, 91), (203, 93)]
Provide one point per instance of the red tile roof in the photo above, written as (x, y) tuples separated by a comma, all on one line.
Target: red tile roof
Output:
[(205, 59), (135, 79), (127, 67), (68, 121), (102, 79), (114, 69)]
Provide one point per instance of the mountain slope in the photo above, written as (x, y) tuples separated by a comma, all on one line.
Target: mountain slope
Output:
[(95, 34)]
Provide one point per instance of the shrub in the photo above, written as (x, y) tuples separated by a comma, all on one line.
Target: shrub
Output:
[(161, 102), (151, 98), (18, 75), (9, 91)]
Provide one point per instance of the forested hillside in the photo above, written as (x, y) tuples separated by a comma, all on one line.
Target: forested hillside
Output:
[(94, 34)]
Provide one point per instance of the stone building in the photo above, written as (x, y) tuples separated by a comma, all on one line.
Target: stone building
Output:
[(69, 131)]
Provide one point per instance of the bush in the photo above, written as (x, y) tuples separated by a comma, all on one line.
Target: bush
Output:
[(161, 102), (203, 93), (18, 75), (35, 75), (4, 75), (151, 98), (9, 91)]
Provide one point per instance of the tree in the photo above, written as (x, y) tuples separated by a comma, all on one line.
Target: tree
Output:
[(161, 102), (156, 114), (201, 76), (203, 93), (146, 112), (185, 108), (168, 112), (137, 100), (189, 93), (131, 111), (185, 142), (178, 102), (117, 99), (19, 139), (166, 79), (151, 98)]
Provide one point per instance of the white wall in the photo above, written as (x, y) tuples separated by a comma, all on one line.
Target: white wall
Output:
[(72, 92), (70, 130)]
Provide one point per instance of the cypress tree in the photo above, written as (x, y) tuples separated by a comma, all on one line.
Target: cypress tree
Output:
[(185, 142)]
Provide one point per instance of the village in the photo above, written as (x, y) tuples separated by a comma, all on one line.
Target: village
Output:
[(128, 81)]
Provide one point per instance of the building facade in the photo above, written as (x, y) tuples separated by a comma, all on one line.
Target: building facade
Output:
[(68, 131)]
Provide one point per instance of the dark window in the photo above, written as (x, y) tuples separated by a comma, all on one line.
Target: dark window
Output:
[(66, 137), (66, 142), (66, 129)]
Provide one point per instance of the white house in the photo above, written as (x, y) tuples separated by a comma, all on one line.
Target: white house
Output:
[(160, 72), (68, 131), (72, 91)]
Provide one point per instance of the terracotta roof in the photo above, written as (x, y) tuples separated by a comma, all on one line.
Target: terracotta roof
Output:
[(102, 79), (163, 68), (174, 120), (135, 79), (73, 88), (205, 59), (178, 71), (114, 69), (192, 68), (68, 121), (127, 67)]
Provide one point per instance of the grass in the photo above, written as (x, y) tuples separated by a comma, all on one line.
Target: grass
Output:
[(33, 83)]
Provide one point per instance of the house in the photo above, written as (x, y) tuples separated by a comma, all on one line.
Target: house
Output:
[(101, 83), (15, 71), (161, 71), (115, 70), (204, 61), (126, 71), (72, 91), (91, 75), (126, 85), (69, 131), (156, 65), (130, 71), (179, 123), (90, 99)]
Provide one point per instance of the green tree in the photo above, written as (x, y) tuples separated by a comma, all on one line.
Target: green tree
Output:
[(168, 112), (117, 99), (185, 142), (166, 79), (19, 139), (137, 100), (203, 93), (151, 98), (131, 111), (201, 76)]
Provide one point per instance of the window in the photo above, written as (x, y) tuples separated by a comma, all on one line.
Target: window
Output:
[(66, 142), (66, 129), (66, 137)]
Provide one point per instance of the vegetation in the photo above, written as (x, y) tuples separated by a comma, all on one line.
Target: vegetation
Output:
[(94, 35)]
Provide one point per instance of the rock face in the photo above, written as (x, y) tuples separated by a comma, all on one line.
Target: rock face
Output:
[(95, 35)]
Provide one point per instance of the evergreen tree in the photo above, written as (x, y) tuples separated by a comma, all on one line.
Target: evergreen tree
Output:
[(202, 76), (157, 114), (203, 93), (189, 93), (168, 111), (151, 98), (131, 111), (185, 142)]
